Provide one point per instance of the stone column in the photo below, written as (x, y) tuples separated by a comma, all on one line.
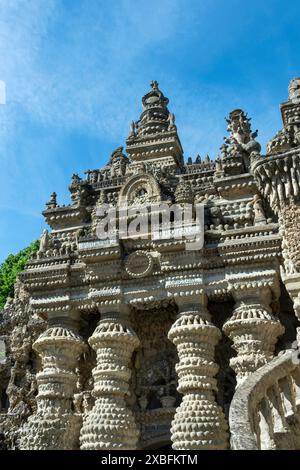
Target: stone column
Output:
[(289, 221), (111, 425), (253, 329), (199, 422), (54, 426)]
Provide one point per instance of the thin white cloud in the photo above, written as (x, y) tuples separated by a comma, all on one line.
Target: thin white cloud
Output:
[(84, 66)]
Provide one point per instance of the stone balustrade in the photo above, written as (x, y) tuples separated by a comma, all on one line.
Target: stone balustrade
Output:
[(265, 410), (278, 177)]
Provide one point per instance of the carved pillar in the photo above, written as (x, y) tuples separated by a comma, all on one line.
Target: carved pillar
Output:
[(289, 221), (253, 329), (54, 426), (199, 422), (110, 425)]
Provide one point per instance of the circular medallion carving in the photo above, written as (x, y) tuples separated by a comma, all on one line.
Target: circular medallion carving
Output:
[(139, 264)]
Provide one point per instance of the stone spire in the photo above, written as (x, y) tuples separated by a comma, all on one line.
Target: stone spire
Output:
[(154, 135), (183, 192), (289, 136), (155, 115)]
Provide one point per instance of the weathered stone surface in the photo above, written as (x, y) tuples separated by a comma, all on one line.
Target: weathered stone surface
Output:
[(88, 361), (111, 423), (199, 422)]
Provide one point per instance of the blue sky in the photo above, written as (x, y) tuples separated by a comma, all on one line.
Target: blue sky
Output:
[(75, 72)]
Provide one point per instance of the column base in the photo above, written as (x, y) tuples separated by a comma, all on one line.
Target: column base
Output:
[(109, 426), (51, 432), (199, 424)]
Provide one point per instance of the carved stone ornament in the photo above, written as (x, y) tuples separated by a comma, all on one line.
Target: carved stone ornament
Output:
[(139, 264)]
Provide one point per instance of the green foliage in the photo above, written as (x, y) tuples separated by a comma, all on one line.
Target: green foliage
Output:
[(11, 267)]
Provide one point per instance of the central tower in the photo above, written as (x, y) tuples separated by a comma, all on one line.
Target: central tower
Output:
[(153, 138)]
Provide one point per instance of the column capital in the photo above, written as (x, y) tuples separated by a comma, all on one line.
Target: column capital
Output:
[(253, 328)]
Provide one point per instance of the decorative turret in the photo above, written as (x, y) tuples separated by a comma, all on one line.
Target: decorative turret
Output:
[(154, 135), (79, 190), (52, 204), (288, 137), (155, 116), (183, 192)]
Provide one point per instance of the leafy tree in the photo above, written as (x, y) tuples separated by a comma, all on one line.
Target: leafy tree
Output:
[(11, 267)]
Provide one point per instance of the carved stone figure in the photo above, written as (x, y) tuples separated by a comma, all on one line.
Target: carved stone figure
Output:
[(132, 129), (259, 213), (44, 242), (171, 121)]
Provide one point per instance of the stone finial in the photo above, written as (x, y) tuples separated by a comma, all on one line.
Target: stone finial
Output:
[(289, 136), (294, 90), (44, 242), (219, 167), (75, 179), (154, 85), (132, 132), (259, 213), (183, 192), (171, 121), (52, 202)]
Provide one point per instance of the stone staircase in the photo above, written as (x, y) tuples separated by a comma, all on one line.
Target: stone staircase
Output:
[(265, 410)]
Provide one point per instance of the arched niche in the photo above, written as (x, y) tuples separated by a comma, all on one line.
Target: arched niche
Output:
[(140, 189)]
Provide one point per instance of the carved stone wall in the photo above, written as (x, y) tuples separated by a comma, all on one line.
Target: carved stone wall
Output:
[(136, 342), (110, 424), (155, 379), (290, 229), (18, 330), (54, 425)]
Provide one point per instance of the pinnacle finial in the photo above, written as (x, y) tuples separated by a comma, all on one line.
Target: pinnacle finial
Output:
[(154, 85)]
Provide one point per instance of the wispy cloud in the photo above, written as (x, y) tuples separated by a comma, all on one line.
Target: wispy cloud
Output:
[(75, 72), (87, 81), (84, 65)]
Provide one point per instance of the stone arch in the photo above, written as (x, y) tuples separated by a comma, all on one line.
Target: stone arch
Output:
[(129, 193)]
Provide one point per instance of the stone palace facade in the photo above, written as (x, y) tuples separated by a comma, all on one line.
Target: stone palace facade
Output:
[(139, 343)]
